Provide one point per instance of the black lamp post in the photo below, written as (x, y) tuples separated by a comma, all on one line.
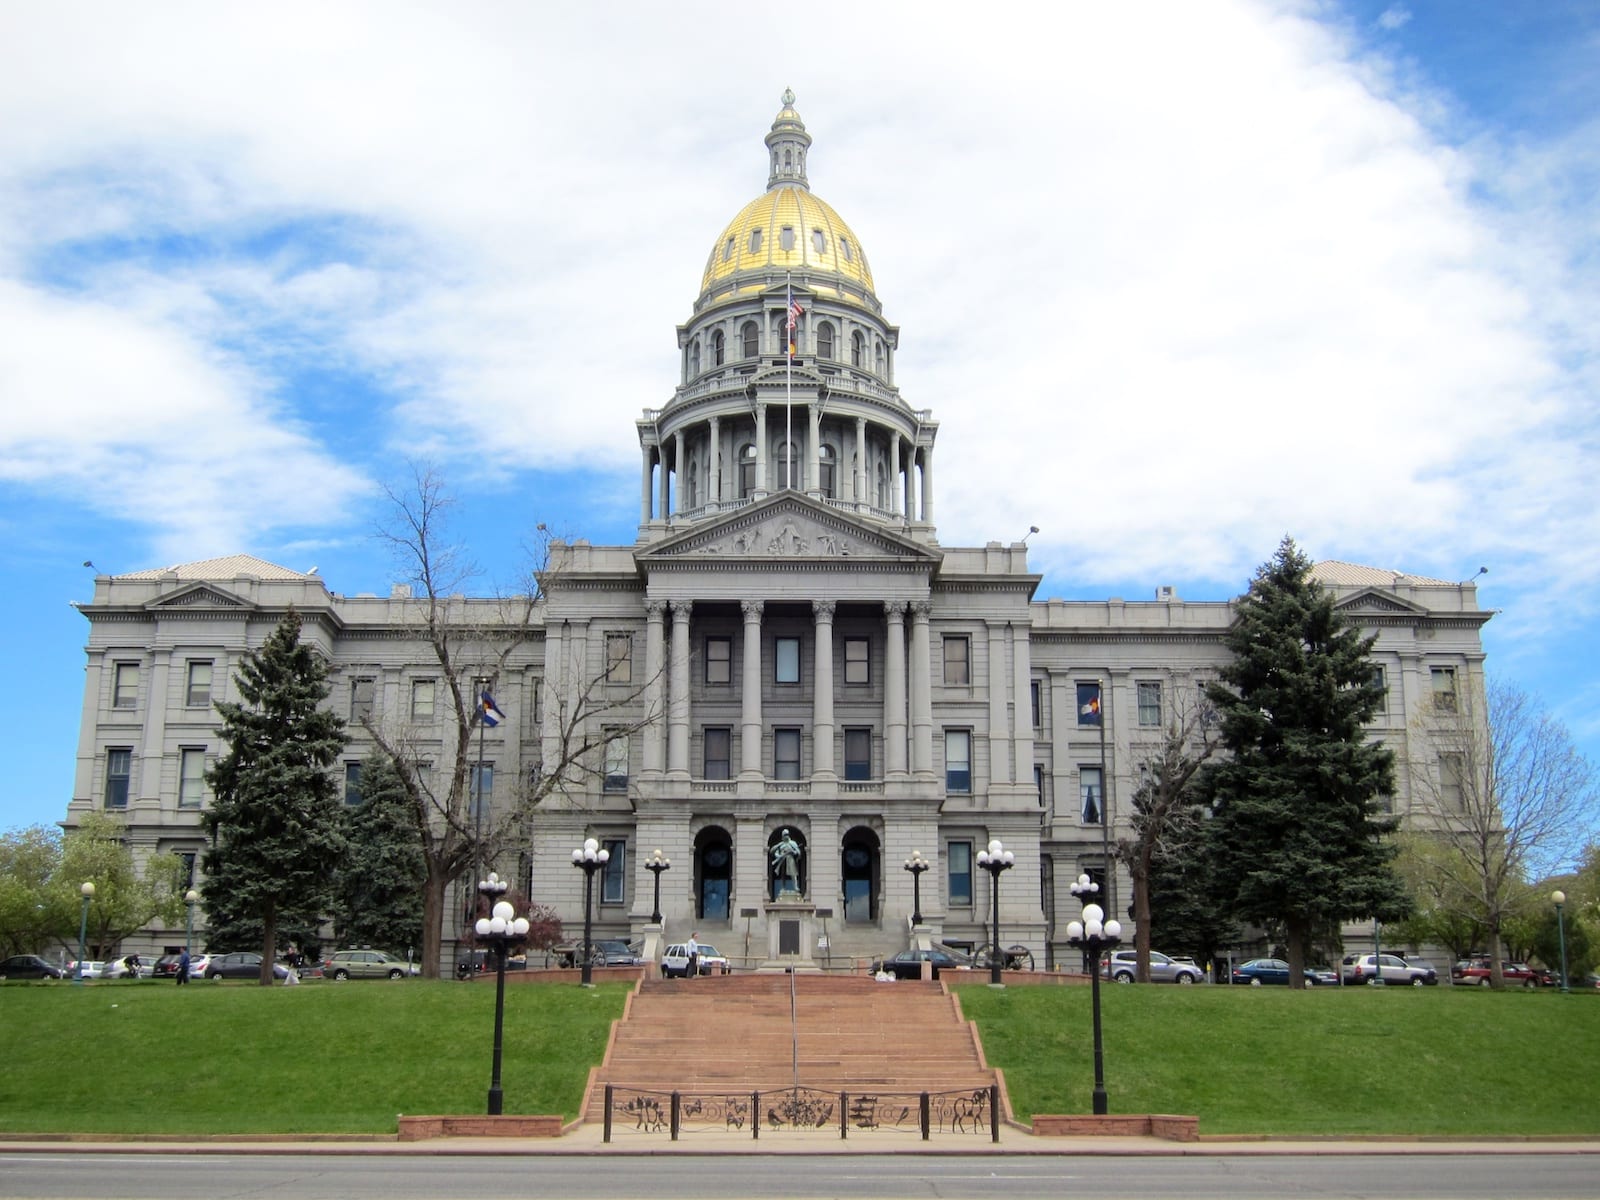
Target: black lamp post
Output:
[(190, 899), (589, 858), (1559, 899), (655, 864), (995, 860), (1093, 937), (916, 864), (86, 890), (499, 930)]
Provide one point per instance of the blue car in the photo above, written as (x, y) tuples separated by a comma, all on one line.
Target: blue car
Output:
[(1260, 971)]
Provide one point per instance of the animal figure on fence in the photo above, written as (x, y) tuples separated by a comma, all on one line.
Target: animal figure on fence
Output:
[(970, 1108)]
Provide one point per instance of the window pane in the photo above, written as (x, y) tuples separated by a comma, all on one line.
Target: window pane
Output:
[(1444, 689), (719, 660), (422, 698), (191, 778), (361, 693), (617, 764), (125, 686), (198, 692), (719, 753), (352, 783), (786, 753), (481, 781), (1150, 703), (858, 753), (1033, 699), (1091, 799), (959, 856), (957, 760), (857, 660), (786, 660), (956, 662), (614, 875), (619, 658), (119, 765)]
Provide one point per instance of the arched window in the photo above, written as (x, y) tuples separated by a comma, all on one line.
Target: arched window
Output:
[(883, 487), (827, 469), (755, 241), (878, 357), (717, 348), (747, 470), (750, 335), (819, 241), (825, 339), (692, 485), (858, 348), (788, 469), (694, 358)]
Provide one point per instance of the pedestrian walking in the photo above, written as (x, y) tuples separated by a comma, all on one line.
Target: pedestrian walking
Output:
[(183, 969)]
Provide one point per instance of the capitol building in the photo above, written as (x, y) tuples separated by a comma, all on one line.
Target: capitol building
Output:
[(788, 646)]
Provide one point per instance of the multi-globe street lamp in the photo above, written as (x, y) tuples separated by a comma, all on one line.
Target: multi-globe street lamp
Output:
[(86, 890), (190, 899), (1094, 935), (996, 859), (500, 929), (1559, 899), (655, 864), (589, 858), (916, 864)]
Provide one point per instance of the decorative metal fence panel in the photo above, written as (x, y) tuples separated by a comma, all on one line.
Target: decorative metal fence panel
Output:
[(637, 1111)]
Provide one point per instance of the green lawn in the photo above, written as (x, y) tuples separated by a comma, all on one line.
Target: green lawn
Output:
[(348, 1058)]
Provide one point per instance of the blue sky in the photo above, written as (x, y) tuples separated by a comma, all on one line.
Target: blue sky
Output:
[(1237, 270)]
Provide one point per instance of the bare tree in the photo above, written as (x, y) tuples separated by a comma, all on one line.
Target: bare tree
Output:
[(1506, 795), (472, 642), (1166, 813)]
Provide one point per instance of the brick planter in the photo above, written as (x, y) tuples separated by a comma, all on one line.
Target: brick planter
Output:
[(416, 1129), (1174, 1129)]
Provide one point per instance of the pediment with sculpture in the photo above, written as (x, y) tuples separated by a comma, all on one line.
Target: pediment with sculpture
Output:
[(788, 526)]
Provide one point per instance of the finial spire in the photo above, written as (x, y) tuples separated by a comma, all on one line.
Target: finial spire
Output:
[(786, 147)]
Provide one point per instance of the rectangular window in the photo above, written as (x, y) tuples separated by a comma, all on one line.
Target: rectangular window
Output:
[(1038, 707), (197, 691), (423, 695), (786, 754), (719, 660), (191, 777), (617, 763), (1150, 703), (481, 782), (188, 859), (1452, 789), (1038, 782), (1091, 798), (858, 753), (125, 685), (958, 760), (352, 783), (619, 658), (957, 660), (959, 878), (362, 690), (786, 660), (719, 753), (119, 768), (1444, 689), (614, 875), (857, 660), (1088, 704)]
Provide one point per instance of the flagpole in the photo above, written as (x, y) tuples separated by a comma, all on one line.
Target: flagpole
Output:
[(1105, 805), (477, 812), (788, 382)]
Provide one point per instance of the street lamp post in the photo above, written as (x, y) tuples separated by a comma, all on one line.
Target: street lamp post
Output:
[(916, 864), (1094, 938), (655, 864), (1559, 899), (590, 858), (499, 930), (190, 899), (995, 860), (87, 892)]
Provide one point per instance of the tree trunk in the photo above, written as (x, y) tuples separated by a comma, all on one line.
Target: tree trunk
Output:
[(269, 943), (433, 892), (1298, 936)]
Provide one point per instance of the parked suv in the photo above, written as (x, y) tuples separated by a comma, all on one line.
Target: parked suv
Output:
[(1476, 971), (1123, 965), (367, 964), (1365, 968), (676, 961)]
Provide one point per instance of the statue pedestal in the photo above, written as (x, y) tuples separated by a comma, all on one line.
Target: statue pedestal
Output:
[(791, 934)]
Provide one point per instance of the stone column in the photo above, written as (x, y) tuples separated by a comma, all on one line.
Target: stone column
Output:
[(999, 727), (859, 475), (1022, 709), (714, 466), (762, 485), (750, 694), (153, 741), (678, 693), (646, 453), (663, 487), (822, 696), (894, 689), (927, 485), (813, 449), (682, 473), (894, 473), (655, 673), (921, 690)]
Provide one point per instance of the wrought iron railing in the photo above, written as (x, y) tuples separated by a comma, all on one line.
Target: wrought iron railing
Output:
[(969, 1112)]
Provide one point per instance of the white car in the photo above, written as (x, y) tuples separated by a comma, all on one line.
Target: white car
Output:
[(91, 970), (122, 968), (676, 961)]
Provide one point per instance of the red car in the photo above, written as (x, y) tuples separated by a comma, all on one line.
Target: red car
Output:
[(1476, 971)]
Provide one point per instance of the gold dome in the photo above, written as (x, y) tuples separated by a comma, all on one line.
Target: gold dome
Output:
[(817, 240)]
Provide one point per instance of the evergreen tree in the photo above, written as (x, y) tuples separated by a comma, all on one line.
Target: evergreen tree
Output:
[(1296, 807), (379, 886), (275, 823)]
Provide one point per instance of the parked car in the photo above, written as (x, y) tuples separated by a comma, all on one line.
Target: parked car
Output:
[(676, 961), (1476, 972), (28, 966), (603, 952), (123, 968), (908, 963), (197, 965), (1262, 971), (1122, 966), (165, 967), (91, 969), (242, 964), (367, 964), (1365, 968)]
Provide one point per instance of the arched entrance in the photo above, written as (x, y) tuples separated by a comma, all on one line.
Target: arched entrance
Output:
[(860, 872), (713, 873)]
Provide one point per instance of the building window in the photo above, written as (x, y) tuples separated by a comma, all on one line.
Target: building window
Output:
[(614, 875), (786, 754), (727, 251), (957, 660), (958, 760), (1036, 704), (1091, 796), (352, 783), (619, 658), (858, 753), (617, 763), (188, 859), (786, 457), (125, 686), (1088, 704), (1444, 689), (719, 660), (197, 690), (481, 781), (694, 358), (423, 694), (825, 339), (718, 753), (748, 462), (1452, 783), (827, 472), (719, 348), (858, 348), (750, 339), (119, 768), (1150, 703), (1380, 685), (786, 234), (191, 777), (786, 660), (362, 691), (857, 660), (844, 246), (819, 240), (958, 887), (1038, 782), (755, 241)]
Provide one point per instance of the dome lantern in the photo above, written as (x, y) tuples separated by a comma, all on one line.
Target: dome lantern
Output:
[(787, 145)]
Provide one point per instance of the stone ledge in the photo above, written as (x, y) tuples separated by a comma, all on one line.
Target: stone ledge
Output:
[(416, 1129), (1173, 1129)]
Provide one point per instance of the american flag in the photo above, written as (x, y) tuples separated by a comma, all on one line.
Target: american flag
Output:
[(795, 312)]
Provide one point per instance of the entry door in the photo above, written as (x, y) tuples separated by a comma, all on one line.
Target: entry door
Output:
[(858, 878)]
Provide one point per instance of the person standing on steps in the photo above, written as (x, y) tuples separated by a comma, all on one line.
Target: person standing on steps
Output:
[(693, 947)]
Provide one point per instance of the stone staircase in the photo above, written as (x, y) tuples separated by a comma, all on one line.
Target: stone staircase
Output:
[(738, 1033)]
